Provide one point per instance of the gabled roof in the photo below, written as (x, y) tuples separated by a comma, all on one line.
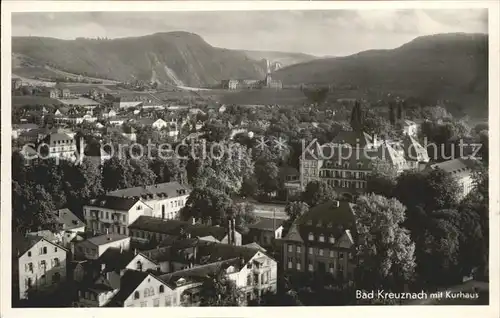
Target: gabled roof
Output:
[(200, 273), (114, 203), (268, 224), (106, 238), (22, 243), (175, 227), (219, 252), (353, 138), (129, 282), (159, 190), (68, 219), (413, 150), (255, 246), (327, 219), (455, 166), (115, 259)]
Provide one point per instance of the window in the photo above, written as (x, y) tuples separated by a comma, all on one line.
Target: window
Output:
[(43, 250), (139, 266), (331, 268), (29, 282), (30, 267), (161, 289), (331, 253), (298, 266), (290, 248), (249, 280), (29, 254), (321, 238), (56, 278), (55, 249), (139, 207), (56, 262), (144, 304), (310, 267), (310, 249), (168, 301), (298, 249), (156, 302), (320, 252), (311, 237), (331, 239), (43, 265), (136, 295), (290, 262), (341, 255), (107, 215)]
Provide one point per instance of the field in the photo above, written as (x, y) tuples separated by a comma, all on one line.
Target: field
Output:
[(19, 101)]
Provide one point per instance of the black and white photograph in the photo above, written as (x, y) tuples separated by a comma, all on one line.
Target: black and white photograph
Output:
[(249, 158)]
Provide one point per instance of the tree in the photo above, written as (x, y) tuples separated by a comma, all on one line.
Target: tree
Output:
[(115, 174), (385, 253), (357, 117), (317, 192), (244, 215), (392, 115), (219, 290), (296, 209), (205, 203), (382, 179)]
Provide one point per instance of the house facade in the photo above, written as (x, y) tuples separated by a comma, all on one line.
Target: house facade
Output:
[(94, 247), (321, 241), (266, 232), (39, 265), (111, 214), (60, 146), (461, 170)]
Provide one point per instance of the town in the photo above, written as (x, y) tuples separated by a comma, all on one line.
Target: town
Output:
[(247, 192)]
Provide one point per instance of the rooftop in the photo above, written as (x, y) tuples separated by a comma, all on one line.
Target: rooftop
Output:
[(113, 202), (156, 191), (107, 238), (68, 219)]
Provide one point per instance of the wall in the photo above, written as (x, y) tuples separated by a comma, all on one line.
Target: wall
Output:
[(42, 277), (146, 263), (172, 206), (155, 299)]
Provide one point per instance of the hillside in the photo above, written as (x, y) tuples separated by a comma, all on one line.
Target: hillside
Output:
[(283, 58), (178, 58), (444, 66)]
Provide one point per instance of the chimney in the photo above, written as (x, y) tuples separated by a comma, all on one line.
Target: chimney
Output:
[(103, 267), (233, 230), (229, 232), (135, 251), (194, 221)]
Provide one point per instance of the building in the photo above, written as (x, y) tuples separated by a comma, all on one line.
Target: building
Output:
[(322, 241), (230, 84), (113, 214), (165, 199), (461, 170), (266, 231), (410, 128), (346, 162), (118, 209), (147, 228), (22, 128), (153, 123), (38, 265), (59, 146), (92, 248), (70, 224), (253, 272)]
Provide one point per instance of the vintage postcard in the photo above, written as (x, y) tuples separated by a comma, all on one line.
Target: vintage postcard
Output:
[(265, 155)]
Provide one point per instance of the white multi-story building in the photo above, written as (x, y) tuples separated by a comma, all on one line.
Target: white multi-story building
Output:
[(38, 265), (94, 247), (164, 199), (346, 162), (59, 146), (461, 170)]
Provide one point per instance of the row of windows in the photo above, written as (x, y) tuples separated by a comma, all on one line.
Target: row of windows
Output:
[(310, 266), (169, 301), (347, 184), (148, 292), (58, 142), (103, 226), (42, 265), (113, 216), (320, 251), (56, 278), (342, 174), (337, 164), (42, 251)]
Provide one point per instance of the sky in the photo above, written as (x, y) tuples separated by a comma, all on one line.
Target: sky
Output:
[(320, 33)]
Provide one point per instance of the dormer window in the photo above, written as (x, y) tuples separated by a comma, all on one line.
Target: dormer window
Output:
[(311, 237), (136, 295), (331, 239), (321, 238)]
